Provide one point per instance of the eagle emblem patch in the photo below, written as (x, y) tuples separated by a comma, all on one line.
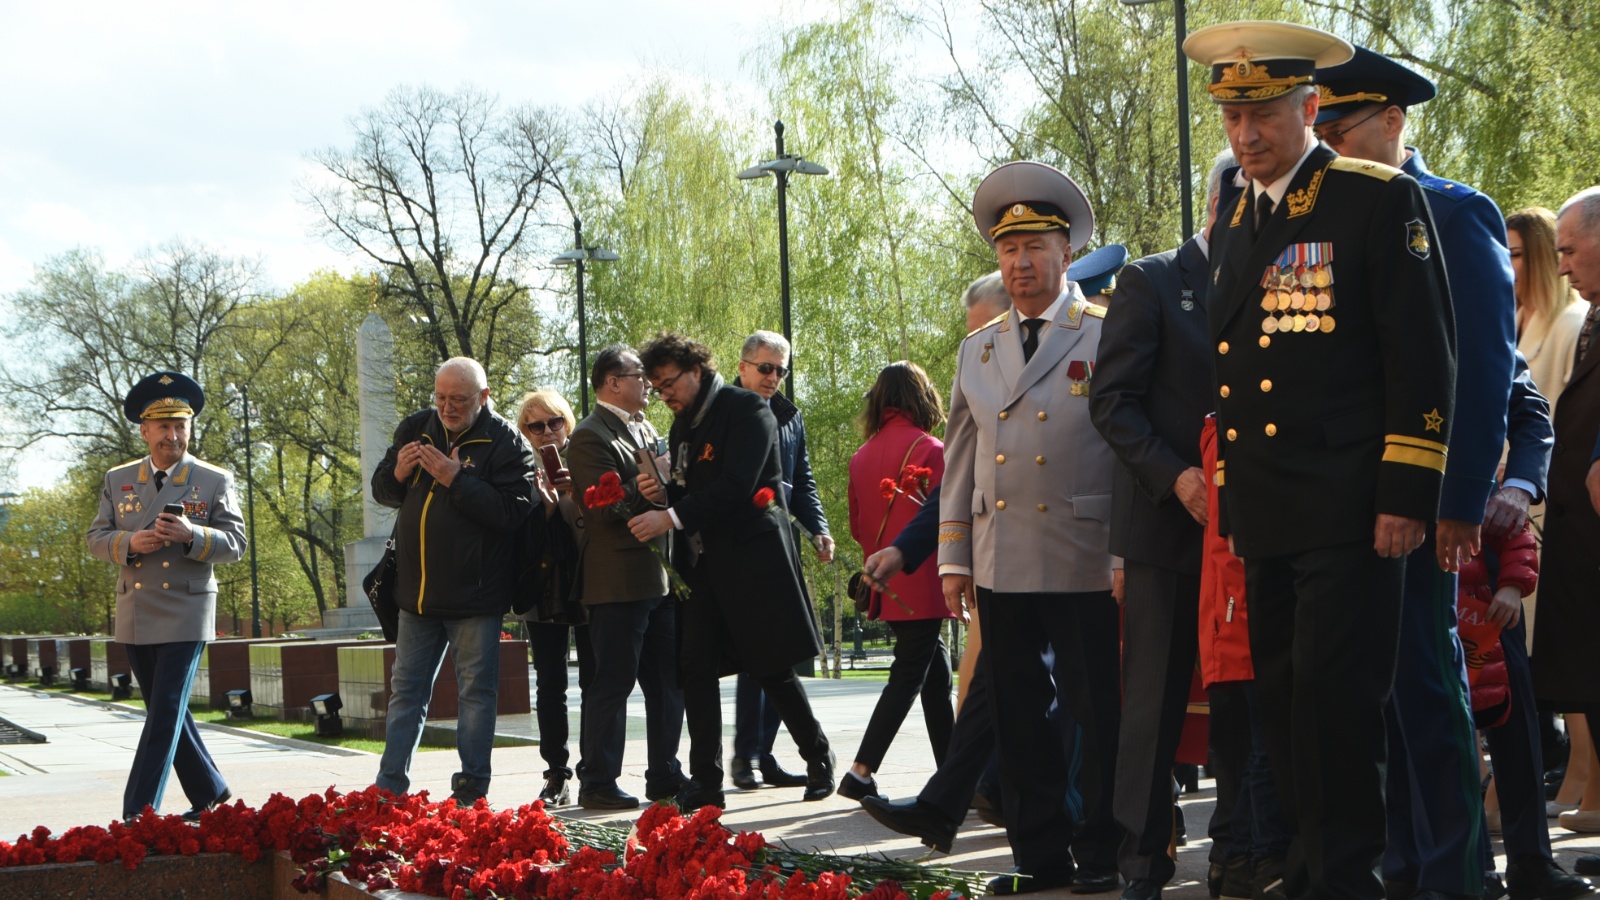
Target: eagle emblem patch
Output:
[(1417, 239)]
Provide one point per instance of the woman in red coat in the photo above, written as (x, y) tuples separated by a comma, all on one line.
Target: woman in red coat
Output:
[(889, 479)]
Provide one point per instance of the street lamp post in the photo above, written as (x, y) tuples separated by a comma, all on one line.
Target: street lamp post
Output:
[(250, 512), (780, 167), (577, 256), (1180, 30)]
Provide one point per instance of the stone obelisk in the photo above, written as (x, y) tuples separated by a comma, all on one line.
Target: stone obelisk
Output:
[(375, 371)]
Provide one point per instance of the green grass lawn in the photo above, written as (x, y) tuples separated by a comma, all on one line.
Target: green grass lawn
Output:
[(300, 731)]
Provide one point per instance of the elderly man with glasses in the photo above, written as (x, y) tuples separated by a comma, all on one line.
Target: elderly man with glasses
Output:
[(463, 480), (763, 364), (749, 611), (632, 615)]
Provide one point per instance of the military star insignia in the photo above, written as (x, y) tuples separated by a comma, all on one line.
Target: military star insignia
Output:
[(1432, 421)]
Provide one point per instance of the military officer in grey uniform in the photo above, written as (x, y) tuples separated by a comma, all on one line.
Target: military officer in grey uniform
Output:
[(166, 593), (1024, 512)]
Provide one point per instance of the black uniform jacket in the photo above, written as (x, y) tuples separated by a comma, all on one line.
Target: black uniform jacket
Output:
[(748, 607), (456, 546), (1334, 404), (1151, 396)]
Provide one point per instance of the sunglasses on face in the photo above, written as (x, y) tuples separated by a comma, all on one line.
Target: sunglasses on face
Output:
[(539, 425), (767, 368)]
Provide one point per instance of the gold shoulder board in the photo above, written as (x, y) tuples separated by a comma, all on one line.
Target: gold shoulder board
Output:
[(994, 321), (1364, 167), (1094, 309)]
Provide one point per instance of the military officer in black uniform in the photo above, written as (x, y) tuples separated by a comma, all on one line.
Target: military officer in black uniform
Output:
[(1334, 355)]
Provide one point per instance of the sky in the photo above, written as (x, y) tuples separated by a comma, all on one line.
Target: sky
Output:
[(124, 125)]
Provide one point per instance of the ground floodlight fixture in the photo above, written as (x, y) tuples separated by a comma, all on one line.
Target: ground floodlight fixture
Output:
[(239, 704), (122, 686), (80, 678), (327, 706), (46, 675)]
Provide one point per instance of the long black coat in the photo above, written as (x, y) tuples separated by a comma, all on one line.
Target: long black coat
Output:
[(1564, 670), (1322, 430), (1152, 392), (748, 607)]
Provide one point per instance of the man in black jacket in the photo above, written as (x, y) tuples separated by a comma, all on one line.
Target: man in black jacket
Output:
[(763, 362), (462, 479), (748, 610)]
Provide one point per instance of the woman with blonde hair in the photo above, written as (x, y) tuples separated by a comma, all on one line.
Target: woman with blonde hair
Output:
[(545, 419), (1549, 315)]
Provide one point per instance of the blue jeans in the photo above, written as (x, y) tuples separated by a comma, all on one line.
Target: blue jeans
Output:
[(418, 653)]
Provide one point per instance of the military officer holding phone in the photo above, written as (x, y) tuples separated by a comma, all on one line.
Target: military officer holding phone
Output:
[(165, 520)]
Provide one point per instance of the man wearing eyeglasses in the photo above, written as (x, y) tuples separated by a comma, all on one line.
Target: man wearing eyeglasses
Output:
[(1435, 804), (463, 480), (632, 616), (749, 611), (763, 363)]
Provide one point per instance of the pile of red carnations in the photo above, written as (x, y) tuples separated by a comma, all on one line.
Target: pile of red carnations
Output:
[(475, 853)]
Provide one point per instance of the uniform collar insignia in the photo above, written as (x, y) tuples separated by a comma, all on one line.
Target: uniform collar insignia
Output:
[(1301, 201)]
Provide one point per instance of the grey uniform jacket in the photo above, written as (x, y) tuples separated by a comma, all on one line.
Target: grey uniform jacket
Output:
[(1026, 499), (169, 594)]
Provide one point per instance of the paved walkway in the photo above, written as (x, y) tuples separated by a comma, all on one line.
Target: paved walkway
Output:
[(77, 778)]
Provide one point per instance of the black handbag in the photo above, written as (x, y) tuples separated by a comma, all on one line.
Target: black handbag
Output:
[(379, 587)]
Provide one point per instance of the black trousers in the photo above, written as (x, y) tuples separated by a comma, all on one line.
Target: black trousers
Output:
[(1324, 631), (1516, 757), (1228, 741), (921, 667), (1159, 643), (549, 642), (635, 640), (702, 706), (1018, 629)]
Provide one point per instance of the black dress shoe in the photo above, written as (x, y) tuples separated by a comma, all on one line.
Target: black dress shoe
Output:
[(193, 815), (915, 818), (1493, 887), (695, 795), (1537, 878), (1587, 865), (744, 774), (1142, 889), (1214, 876), (1021, 881), (853, 788), (1237, 874), (1397, 890), (1094, 881), (819, 778), (777, 776), (608, 797), (555, 792)]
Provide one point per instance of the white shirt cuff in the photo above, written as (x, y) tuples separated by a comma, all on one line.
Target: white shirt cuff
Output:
[(676, 523), (953, 569), (1522, 483)]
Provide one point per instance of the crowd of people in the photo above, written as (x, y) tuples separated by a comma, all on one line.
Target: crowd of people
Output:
[(1313, 462)]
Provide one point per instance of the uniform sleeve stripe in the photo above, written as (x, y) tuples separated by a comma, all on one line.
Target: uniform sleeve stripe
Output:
[(1409, 441), (205, 549), (1414, 456), (116, 545), (957, 523)]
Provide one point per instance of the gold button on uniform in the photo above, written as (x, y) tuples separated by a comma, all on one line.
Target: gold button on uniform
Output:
[(1223, 348), (1233, 435), (1265, 342), (1271, 429), (1223, 391), (1000, 459), (137, 585), (1041, 507), (1004, 415), (1039, 460), (164, 585), (999, 504), (1042, 416), (166, 564), (138, 564), (1266, 384)]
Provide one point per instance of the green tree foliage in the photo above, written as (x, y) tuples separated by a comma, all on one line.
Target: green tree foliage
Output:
[(48, 581)]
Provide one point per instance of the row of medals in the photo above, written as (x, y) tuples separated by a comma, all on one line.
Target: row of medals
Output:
[(1304, 300)]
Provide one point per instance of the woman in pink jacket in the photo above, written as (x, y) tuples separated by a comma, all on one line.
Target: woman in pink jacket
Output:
[(890, 477)]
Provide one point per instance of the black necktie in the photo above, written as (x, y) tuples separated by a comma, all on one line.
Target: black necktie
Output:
[(1263, 210), (161, 479), (1030, 341)]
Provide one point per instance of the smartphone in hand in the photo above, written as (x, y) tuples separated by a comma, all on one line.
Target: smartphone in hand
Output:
[(553, 470), (175, 509)]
